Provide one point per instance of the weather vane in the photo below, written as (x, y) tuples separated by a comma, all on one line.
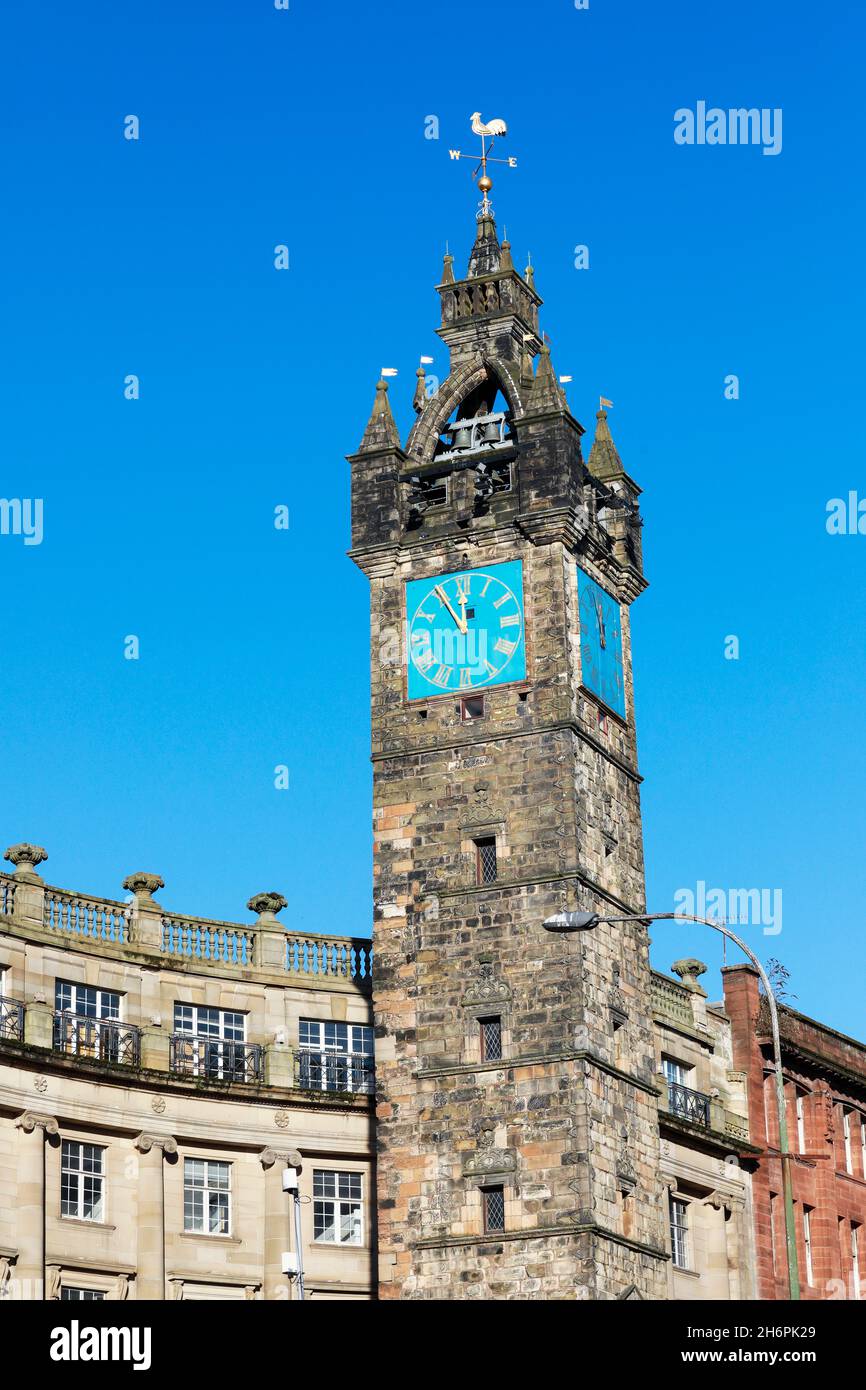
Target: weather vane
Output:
[(488, 131)]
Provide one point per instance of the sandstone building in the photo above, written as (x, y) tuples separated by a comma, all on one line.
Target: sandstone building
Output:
[(825, 1090), (707, 1158), (517, 1102), (157, 1074)]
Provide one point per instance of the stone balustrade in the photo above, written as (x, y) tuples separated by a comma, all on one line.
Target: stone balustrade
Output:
[(140, 926)]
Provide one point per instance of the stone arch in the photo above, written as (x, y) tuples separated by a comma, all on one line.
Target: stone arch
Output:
[(456, 387)]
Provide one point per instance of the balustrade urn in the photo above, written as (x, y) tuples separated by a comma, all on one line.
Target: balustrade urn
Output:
[(25, 857)]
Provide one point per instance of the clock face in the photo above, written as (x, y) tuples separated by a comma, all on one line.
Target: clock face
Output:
[(465, 630), (600, 643)]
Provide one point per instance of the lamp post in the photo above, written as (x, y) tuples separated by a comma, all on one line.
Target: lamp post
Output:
[(587, 921)]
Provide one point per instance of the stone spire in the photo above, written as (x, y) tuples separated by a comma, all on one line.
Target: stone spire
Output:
[(546, 393), (604, 461), (486, 258), (448, 269), (381, 431), (420, 399)]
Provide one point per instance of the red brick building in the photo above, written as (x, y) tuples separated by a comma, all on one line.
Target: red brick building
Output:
[(825, 1088)]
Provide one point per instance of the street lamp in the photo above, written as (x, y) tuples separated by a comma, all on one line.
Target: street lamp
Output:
[(587, 921)]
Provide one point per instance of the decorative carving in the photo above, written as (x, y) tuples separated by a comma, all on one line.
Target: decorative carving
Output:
[(481, 810), (41, 1083), (267, 905), (157, 1105), (52, 1282), (31, 1120), (487, 990), (250, 1292), (486, 1162), (688, 969), (25, 857), (146, 1142), (282, 1119), (119, 1291), (626, 1177), (5, 1273), (290, 1159), (175, 1291), (143, 885)]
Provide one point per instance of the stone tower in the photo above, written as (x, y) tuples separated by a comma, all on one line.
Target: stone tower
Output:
[(517, 1137)]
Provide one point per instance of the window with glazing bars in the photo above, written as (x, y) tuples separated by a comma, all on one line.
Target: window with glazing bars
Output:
[(82, 1180), (337, 1207), (207, 1197), (493, 1199), (491, 1039), (485, 859), (75, 1295), (679, 1215)]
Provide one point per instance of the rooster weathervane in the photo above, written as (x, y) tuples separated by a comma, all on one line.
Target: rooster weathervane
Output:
[(488, 131)]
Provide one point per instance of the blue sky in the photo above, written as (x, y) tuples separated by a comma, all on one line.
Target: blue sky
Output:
[(155, 257)]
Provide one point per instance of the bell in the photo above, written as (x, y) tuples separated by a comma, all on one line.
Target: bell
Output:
[(462, 437), (490, 433)]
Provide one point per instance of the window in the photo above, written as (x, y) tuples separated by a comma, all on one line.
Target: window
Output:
[(485, 859), (773, 1201), (679, 1212), (81, 1295), (85, 1001), (471, 708), (335, 1056), (337, 1208), (855, 1260), (491, 1039), (676, 1073), (82, 1180), (800, 1107), (210, 1042), (206, 1196), (846, 1134), (807, 1237), (862, 1145), (493, 1199)]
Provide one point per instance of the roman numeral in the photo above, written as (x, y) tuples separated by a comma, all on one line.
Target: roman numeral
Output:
[(486, 587), (510, 620), (465, 676), (497, 603), (442, 676), (507, 648), (462, 587), (424, 659)]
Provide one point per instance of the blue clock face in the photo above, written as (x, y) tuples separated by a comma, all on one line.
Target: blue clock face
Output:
[(600, 643), (465, 630)]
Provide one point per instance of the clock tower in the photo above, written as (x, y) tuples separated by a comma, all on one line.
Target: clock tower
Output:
[(516, 1103)]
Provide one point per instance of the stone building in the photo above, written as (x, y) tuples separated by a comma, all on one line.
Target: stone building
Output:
[(706, 1156), (158, 1072), (825, 1091), (516, 1092)]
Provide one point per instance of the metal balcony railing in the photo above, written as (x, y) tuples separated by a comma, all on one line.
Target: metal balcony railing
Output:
[(688, 1104), (215, 1059), (11, 1019), (351, 1072), (103, 1039)]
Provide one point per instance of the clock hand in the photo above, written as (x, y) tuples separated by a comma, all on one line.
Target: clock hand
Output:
[(443, 597)]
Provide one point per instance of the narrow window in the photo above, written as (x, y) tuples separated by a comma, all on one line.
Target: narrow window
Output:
[(491, 1039), (773, 1201), (82, 1180), (855, 1260), (493, 1199), (206, 1197), (862, 1145), (846, 1132), (69, 1293), (338, 1214), (485, 859), (679, 1232), (471, 708), (807, 1237), (801, 1122)]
